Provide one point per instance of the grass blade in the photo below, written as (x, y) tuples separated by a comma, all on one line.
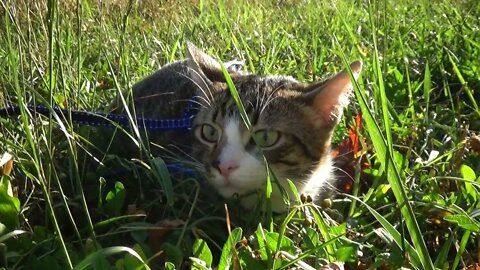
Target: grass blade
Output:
[(393, 176), (103, 253)]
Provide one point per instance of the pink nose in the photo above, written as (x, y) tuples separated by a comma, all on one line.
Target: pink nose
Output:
[(227, 168)]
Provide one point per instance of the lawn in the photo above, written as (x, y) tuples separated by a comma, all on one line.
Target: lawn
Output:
[(68, 201)]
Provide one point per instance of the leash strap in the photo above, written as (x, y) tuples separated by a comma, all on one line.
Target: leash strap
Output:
[(101, 119)]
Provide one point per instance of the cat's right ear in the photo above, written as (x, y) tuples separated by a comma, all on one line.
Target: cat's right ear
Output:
[(328, 98), (203, 69)]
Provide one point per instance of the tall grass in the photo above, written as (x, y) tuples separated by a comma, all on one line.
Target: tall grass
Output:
[(416, 178)]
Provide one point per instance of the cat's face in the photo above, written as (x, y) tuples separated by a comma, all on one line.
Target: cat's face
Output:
[(291, 128), (282, 130)]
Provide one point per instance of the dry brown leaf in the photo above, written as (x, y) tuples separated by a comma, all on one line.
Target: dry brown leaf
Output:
[(473, 267), (157, 234), (6, 163), (474, 143)]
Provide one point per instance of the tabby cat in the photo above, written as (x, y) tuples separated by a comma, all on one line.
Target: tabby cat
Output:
[(291, 125)]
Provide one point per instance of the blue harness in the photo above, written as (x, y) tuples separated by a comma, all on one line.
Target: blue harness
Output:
[(101, 119)]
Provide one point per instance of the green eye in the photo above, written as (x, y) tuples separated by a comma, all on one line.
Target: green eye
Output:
[(265, 137), (209, 133)]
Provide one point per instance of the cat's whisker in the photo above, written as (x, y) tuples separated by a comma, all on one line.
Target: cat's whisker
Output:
[(179, 156), (192, 161), (208, 99), (250, 108), (344, 154), (264, 101), (171, 151), (271, 96), (194, 102), (249, 102), (207, 94), (265, 105), (334, 168), (146, 97), (259, 100), (330, 187)]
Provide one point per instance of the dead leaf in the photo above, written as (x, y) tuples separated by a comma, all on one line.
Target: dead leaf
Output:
[(473, 267), (158, 233), (6, 163), (157, 236), (346, 153), (474, 143)]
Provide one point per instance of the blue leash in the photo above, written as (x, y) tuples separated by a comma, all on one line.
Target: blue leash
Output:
[(101, 119)]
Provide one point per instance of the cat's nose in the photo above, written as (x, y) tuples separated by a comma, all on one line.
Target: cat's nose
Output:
[(226, 168)]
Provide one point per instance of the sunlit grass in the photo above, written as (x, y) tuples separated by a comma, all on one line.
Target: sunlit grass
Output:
[(417, 200)]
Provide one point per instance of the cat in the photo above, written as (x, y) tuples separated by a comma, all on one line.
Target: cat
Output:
[(291, 125)]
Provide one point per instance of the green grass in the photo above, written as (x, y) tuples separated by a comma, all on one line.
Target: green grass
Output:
[(418, 94)]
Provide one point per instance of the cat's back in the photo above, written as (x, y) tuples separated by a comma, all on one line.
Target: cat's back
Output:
[(165, 93)]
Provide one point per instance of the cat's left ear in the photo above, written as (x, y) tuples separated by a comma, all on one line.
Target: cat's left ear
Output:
[(203, 64), (328, 98)]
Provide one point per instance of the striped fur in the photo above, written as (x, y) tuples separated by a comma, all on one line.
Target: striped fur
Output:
[(304, 116)]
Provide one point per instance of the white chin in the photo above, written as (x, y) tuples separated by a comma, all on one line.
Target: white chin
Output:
[(249, 201), (229, 190), (236, 185)]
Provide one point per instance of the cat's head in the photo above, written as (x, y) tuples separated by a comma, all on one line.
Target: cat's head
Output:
[(291, 128)]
